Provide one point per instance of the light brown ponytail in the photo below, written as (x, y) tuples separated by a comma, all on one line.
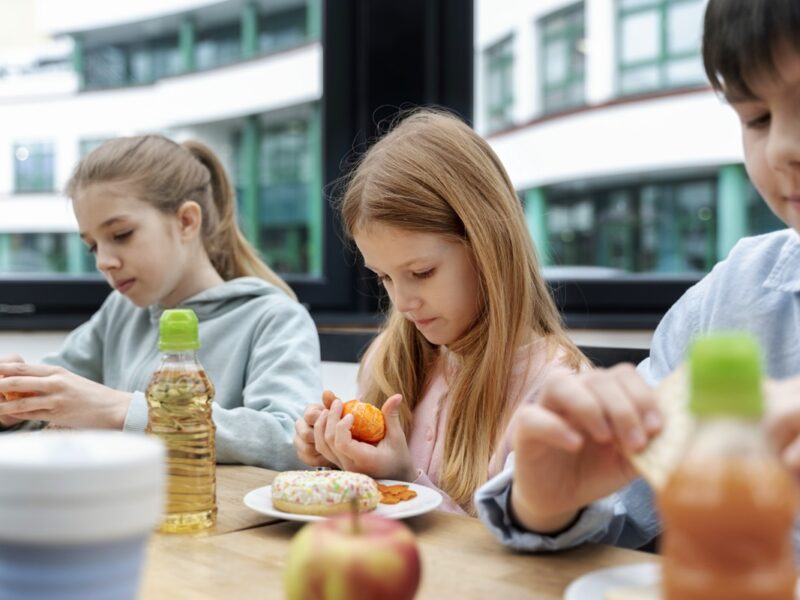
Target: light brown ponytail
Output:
[(230, 253)]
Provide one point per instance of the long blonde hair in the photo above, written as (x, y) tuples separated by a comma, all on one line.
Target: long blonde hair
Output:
[(166, 174), (434, 174)]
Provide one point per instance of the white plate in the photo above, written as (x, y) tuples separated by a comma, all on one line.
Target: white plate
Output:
[(260, 500), (594, 585)]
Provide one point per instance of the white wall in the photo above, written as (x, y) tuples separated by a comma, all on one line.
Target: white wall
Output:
[(691, 130)]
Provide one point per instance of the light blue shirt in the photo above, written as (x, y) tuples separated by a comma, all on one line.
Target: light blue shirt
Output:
[(757, 290)]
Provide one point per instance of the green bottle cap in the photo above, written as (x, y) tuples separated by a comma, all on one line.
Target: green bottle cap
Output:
[(177, 330), (726, 376)]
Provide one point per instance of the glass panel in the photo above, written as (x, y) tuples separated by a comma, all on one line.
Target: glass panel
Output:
[(34, 167), (217, 47), (36, 253), (282, 30), (556, 61), (639, 79), (640, 36), (685, 26), (283, 201), (685, 71), (105, 67)]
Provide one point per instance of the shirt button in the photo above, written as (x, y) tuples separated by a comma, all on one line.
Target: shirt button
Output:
[(429, 435)]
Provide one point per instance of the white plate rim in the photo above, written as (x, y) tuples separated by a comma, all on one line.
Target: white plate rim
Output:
[(260, 500), (594, 585)]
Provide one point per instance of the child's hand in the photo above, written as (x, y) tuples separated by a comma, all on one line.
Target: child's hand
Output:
[(6, 421), (389, 459), (61, 397), (304, 433), (569, 446), (783, 420)]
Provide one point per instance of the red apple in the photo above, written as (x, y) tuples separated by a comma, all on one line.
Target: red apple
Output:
[(352, 557)]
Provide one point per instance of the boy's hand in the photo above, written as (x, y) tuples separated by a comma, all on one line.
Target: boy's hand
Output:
[(304, 433), (570, 446), (389, 459), (61, 397)]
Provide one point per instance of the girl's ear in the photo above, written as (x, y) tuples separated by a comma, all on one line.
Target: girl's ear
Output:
[(190, 219)]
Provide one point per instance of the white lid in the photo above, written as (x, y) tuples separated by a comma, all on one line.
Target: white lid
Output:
[(79, 486)]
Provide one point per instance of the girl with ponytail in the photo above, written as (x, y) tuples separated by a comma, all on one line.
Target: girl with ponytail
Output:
[(160, 219)]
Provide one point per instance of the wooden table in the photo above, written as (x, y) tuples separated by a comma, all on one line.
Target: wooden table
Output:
[(244, 556)]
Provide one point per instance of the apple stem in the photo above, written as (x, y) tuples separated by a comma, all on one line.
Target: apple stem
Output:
[(354, 514)]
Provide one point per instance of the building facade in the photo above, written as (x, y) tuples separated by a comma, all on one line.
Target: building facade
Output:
[(625, 159), (243, 76)]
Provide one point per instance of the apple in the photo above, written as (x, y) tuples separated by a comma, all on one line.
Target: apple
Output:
[(353, 557)]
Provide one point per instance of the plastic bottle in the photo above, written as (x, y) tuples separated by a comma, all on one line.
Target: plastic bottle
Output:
[(179, 398), (729, 507)]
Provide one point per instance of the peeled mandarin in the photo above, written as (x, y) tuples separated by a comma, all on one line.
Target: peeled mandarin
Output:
[(368, 424), (15, 395)]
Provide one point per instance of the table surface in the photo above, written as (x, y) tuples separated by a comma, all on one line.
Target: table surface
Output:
[(245, 554)]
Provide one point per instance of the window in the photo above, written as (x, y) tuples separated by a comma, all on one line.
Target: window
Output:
[(500, 83), (218, 46), (105, 67), (34, 252), (654, 228), (667, 227), (562, 59), (659, 44), (282, 30), (283, 197), (153, 60), (131, 64), (34, 165)]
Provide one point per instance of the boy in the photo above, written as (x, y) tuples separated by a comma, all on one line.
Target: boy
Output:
[(567, 463)]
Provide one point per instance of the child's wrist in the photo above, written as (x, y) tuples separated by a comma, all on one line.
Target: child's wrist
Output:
[(529, 519)]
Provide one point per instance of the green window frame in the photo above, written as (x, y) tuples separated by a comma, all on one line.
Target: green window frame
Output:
[(563, 63), (34, 167), (656, 31), (499, 60)]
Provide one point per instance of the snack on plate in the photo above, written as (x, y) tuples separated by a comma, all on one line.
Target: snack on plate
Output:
[(368, 423), (662, 454), (393, 494), (323, 492)]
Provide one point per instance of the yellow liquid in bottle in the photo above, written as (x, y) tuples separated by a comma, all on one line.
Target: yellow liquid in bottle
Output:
[(180, 415)]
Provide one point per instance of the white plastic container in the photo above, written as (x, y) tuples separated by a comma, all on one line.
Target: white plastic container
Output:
[(76, 510)]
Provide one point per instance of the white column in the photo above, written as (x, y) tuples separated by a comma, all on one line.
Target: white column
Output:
[(601, 51)]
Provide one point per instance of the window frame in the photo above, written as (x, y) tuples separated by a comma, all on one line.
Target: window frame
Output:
[(663, 59), (499, 60), (565, 33)]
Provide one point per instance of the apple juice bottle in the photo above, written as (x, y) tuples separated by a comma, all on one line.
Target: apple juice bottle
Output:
[(179, 399)]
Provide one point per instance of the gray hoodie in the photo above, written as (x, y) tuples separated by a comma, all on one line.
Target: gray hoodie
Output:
[(259, 348)]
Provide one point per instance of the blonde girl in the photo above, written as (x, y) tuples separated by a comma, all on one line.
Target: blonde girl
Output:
[(472, 330), (160, 219)]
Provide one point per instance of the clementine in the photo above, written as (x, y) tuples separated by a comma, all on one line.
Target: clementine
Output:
[(368, 424)]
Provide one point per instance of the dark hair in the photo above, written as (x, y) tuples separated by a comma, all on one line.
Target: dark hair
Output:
[(741, 39), (166, 174)]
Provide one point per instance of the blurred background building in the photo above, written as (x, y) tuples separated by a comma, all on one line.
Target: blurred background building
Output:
[(601, 112), (244, 77), (628, 165)]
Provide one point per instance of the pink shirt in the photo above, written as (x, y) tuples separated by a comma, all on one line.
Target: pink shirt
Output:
[(426, 441)]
